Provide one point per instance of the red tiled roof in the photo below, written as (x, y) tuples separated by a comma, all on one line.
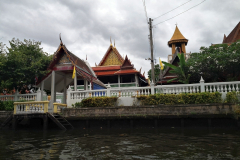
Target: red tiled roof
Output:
[(105, 73), (233, 36), (127, 71)]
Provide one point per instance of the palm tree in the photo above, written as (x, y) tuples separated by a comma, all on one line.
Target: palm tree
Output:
[(180, 70)]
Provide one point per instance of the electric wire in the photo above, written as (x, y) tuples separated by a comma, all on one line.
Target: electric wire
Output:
[(172, 9), (180, 13)]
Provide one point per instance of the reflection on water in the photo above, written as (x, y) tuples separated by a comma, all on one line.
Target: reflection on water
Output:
[(121, 144)]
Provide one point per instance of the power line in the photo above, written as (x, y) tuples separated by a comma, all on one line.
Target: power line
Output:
[(144, 6), (172, 9), (180, 13)]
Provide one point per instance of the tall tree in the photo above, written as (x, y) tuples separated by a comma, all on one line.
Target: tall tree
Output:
[(23, 62), (215, 63)]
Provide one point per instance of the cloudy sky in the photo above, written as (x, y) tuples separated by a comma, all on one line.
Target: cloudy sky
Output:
[(87, 25)]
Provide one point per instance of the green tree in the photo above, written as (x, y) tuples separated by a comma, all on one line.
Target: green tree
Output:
[(156, 72), (215, 63), (22, 62), (181, 70)]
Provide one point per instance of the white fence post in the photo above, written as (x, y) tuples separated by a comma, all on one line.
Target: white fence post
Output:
[(69, 96), (152, 87), (39, 95), (202, 87), (108, 90)]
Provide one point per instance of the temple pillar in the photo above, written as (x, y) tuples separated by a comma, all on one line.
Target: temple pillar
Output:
[(173, 48), (119, 81), (136, 80), (85, 84), (53, 92), (183, 48), (65, 90), (75, 82)]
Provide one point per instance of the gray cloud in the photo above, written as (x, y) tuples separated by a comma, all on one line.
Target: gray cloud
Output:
[(86, 26)]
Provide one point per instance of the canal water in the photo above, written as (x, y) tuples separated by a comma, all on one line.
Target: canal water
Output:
[(164, 143)]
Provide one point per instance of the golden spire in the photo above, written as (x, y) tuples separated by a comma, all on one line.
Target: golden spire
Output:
[(110, 41), (114, 44), (177, 35)]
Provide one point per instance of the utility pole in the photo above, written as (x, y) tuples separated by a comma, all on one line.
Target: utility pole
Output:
[(151, 45)]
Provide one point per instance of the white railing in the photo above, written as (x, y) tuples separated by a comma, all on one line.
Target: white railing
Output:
[(24, 97), (31, 107), (222, 86), (176, 89), (7, 97), (27, 97), (130, 92)]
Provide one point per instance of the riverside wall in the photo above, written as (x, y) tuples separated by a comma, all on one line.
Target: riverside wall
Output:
[(157, 111)]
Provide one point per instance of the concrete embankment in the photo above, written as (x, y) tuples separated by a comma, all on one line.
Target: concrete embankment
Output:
[(157, 111)]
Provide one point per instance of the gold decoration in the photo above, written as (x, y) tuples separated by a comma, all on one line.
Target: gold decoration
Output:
[(112, 59)]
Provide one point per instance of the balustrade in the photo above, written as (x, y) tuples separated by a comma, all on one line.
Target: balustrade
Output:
[(58, 106), (31, 107)]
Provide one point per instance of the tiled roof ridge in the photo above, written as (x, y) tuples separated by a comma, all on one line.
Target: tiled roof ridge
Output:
[(232, 35)]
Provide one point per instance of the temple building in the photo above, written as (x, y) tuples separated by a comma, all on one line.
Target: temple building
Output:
[(118, 71), (234, 36), (61, 74), (178, 44)]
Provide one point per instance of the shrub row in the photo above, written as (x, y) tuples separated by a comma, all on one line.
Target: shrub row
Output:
[(97, 102), (6, 105), (183, 98), (232, 97)]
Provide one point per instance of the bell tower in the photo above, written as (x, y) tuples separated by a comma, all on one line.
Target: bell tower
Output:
[(178, 41)]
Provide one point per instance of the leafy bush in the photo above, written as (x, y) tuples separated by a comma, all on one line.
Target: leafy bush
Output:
[(231, 97), (97, 102), (6, 105), (183, 98)]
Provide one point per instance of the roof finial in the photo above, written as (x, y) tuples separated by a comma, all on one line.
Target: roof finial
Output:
[(110, 41), (86, 57), (114, 44), (176, 24), (60, 39)]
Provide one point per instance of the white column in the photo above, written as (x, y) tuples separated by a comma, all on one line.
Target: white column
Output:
[(64, 90), (152, 87), (108, 90), (53, 92), (69, 96), (202, 85), (85, 84), (42, 87), (75, 82), (39, 94), (119, 81), (136, 79)]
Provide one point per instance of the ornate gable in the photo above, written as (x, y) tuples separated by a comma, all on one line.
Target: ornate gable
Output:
[(126, 64), (112, 57)]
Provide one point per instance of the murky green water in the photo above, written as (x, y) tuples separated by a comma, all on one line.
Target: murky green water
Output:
[(169, 143)]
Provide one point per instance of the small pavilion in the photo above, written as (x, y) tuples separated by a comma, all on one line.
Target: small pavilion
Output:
[(60, 74), (117, 71)]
